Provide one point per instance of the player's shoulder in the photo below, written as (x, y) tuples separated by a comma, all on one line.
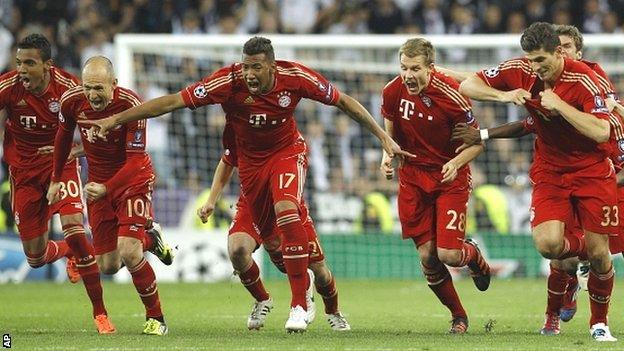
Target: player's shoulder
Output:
[(595, 66), (63, 78), (445, 88), (8, 80), (393, 87), (72, 95), (295, 70), (231, 75), (519, 64), (128, 96), (575, 72)]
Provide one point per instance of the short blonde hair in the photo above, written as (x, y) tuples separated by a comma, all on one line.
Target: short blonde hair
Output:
[(418, 47)]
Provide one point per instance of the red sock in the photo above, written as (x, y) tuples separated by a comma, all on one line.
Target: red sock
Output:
[(295, 253), (573, 246), (469, 254), (87, 266), (278, 260), (252, 282), (54, 250), (599, 287), (144, 281), (329, 295), (440, 282), (148, 241), (557, 282)]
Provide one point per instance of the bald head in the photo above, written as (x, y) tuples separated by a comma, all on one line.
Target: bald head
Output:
[(99, 65), (98, 82)]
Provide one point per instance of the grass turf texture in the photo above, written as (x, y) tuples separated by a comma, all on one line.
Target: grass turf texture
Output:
[(386, 315)]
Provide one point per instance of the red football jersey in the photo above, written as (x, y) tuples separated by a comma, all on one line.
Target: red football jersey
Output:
[(32, 120), (229, 146), (263, 124), (106, 157), (558, 146), (423, 123)]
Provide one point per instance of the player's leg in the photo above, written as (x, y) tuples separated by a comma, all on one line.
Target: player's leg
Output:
[(452, 247), (440, 282), (287, 179), (273, 247), (132, 214), (30, 210), (572, 288)]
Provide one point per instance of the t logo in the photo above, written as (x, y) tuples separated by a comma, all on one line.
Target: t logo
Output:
[(28, 122), (256, 120), (406, 108)]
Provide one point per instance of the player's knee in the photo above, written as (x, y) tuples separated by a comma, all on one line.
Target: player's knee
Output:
[(109, 267), (239, 255), (322, 274), (131, 253), (451, 258), (599, 258), (429, 260), (549, 248)]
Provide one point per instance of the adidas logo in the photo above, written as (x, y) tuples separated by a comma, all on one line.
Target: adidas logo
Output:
[(249, 100), (21, 103)]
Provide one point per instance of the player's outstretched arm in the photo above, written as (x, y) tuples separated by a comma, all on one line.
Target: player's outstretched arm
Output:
[(358, 113), (586, 123), (150, 109), (472, 136), (450, 169), (221, 178), (475, 88), (459, 76), (386, 161)]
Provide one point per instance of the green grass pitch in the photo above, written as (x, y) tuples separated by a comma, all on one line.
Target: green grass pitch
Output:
[(384, 315)]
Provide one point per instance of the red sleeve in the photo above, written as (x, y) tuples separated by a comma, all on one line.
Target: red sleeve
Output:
[(509, 75), (603, 79), (229, 146), (7, 81), (64, 139), (126, 172), (389, 98), (529, 124), (136, 132), (215, 89), (313, 85)]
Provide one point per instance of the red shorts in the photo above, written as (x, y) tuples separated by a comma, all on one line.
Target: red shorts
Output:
[(242, 223), (281, 177), (28, 197), (589, 193), (125, 215), (616, 240), (431, 211)]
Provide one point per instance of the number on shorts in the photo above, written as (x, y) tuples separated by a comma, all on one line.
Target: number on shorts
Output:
[(70, 188), (285, 179), (611, 216), (457, 222), (138, 207)]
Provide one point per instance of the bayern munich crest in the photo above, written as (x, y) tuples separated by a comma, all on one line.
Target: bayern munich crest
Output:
[(54, 106), (284, 99)]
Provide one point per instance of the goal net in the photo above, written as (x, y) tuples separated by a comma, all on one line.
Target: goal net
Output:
[(353, 206)]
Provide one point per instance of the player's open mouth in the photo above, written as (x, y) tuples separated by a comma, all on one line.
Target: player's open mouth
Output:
[(25, 81), (253, 85), (411, 86)]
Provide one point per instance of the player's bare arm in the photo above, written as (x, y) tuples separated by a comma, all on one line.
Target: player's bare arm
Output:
[(149, 109), (386, 161), (587, 124), (470, 135), (358, 113), (459, 76), (475, 88), (221, 178), (449, 170)]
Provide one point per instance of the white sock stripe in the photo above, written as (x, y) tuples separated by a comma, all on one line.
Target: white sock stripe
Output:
[(284, 222), (252, 283), (556, 292), (138, 266), (85, 265), (295, 256), (150, 294)]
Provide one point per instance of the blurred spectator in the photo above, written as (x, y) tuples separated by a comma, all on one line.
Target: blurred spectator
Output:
[(100, 45), (302, 16), (385, 17), (430, 17), (492, 20), (315, 137), (592, 16)]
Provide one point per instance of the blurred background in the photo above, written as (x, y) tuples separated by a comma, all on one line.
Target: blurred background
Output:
[(353, 206)]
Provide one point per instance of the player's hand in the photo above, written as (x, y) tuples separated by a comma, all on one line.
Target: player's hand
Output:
[(386, 166), (394, 150), (550, 100), (517, 96), (467, 134), (76, 151), (95, 191), (54, 193), (45, 150), (205, 211), (102, 126), (611, 103), (449, 172)]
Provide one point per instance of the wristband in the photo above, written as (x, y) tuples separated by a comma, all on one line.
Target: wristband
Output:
[(485, 134)]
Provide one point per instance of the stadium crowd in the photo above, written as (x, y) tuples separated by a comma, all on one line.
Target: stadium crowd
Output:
[(344, 160)]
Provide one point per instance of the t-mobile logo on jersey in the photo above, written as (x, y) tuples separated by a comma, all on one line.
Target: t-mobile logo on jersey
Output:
[(28, 122), (406, 108), (257, 120)]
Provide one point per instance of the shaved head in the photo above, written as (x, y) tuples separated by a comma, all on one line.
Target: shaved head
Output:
[(99, 65), (98, 81)]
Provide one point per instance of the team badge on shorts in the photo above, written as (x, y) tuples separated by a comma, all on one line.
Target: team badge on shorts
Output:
[(284, 99)]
